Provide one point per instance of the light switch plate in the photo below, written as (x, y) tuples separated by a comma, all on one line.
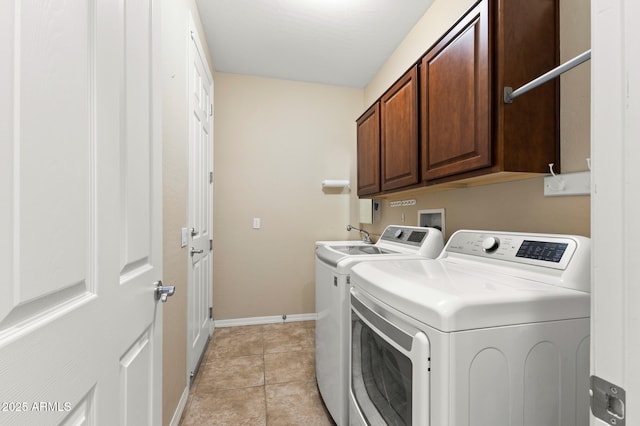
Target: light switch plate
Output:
[(256, 223), (184, 237)]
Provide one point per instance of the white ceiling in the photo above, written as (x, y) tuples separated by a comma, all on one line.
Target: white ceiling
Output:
[(336, 42)]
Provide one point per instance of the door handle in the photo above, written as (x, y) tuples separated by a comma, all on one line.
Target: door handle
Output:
[(194, 232), (194, 251), (163, 291)]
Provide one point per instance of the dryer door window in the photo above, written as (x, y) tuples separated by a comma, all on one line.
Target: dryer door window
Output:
[(383, 379), (389, 368)]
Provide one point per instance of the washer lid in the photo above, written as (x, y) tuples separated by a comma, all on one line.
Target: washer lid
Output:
[(454, 296)]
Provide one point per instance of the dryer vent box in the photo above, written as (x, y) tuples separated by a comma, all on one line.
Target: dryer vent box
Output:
[(433, 218)]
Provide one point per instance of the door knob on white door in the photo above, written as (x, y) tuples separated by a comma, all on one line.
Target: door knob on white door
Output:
[(163, 291), (194, 251)]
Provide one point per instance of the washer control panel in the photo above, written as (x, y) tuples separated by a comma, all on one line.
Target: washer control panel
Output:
[(409, 235), (547, 250)]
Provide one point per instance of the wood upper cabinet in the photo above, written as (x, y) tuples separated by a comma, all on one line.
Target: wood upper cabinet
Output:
[(466, 128), (388, 142), (455, 101), (369, 151), (446, 120), (399, 133)]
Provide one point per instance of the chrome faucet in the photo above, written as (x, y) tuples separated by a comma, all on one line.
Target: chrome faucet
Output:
[(366, 238)]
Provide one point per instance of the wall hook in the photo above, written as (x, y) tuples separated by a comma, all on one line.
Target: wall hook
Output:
[(551, 169)]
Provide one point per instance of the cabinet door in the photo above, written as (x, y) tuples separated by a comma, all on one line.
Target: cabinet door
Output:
[(455, 95), (369, 151), (399, 132)]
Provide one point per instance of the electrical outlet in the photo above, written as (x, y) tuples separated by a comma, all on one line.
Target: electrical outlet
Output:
[(257, 223)]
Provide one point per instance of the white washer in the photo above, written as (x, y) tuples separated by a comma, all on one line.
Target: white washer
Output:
[(333, 264), (493, 332)]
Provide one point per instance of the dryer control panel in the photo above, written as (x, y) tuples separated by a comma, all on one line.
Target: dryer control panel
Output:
[(557, 259), (547, 250)]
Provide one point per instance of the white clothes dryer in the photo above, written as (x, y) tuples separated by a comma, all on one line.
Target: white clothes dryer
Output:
[(333, 264), (493, 332)]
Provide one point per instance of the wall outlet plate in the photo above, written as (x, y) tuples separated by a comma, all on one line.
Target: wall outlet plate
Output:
[(377, 211)]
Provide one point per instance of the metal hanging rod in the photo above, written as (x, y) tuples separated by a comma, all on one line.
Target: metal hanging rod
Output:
[(510, 94)]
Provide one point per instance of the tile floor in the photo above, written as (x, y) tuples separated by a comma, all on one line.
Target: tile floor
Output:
[(258, 375)]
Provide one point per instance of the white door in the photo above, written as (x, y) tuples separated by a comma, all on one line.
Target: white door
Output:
[(615, 203), (200, 256), (80, 213)]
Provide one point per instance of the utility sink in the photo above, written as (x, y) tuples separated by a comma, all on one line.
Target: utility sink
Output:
[(361, 249)]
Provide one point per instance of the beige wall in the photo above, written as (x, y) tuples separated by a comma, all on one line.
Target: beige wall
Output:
[(514, 206), (175, 43), (511, 206), (275, 141)]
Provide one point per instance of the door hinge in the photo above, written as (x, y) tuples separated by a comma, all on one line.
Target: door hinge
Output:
[(211, 110), (210, 245), (210, 312), (210, 177), (607, 401)]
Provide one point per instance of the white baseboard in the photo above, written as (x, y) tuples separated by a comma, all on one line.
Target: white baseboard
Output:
[(265, 320), (177, 415)]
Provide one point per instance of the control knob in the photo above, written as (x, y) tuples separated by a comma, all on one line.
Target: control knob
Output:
[(490, 244), (398, 233)]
